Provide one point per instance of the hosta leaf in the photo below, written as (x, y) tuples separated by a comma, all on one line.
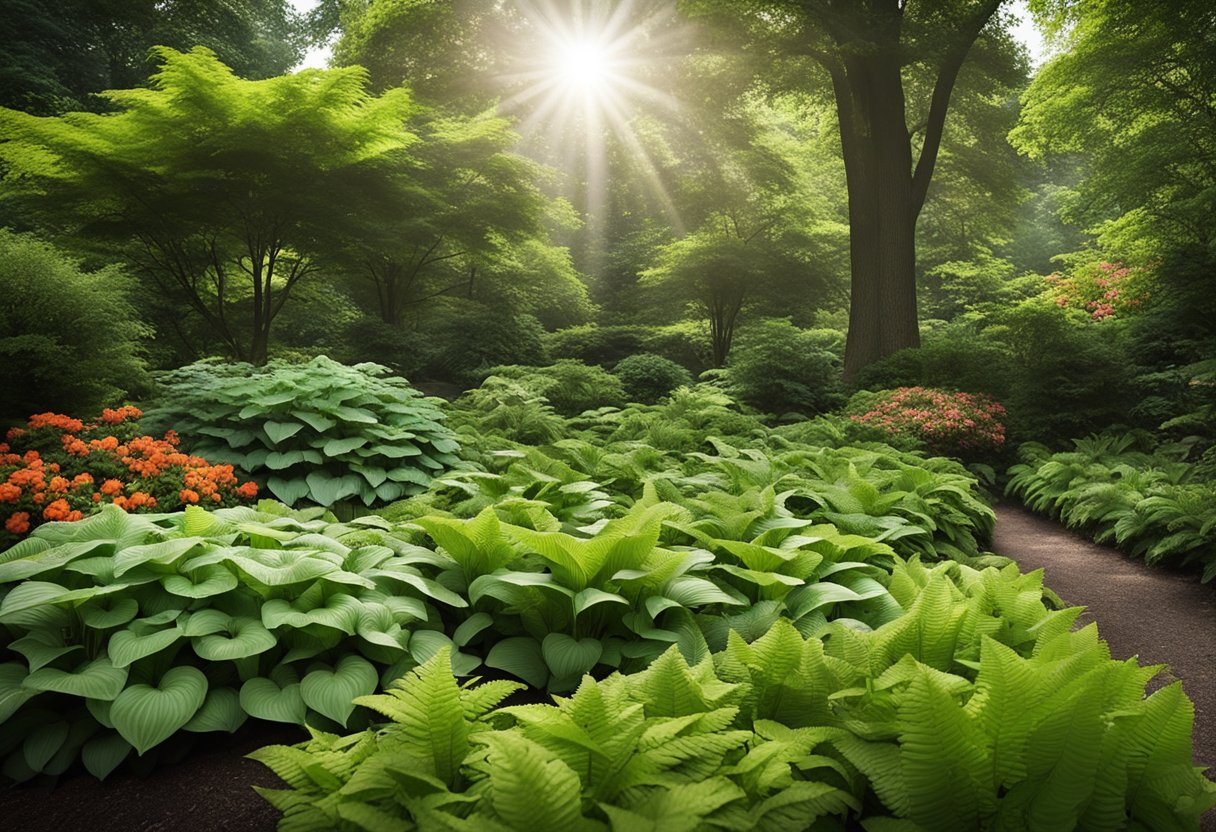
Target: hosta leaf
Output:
[(203, 582), (263, 699), (43, 743), (148, 715), (317, 421), (332, 692), (126, 646), (325, 490), (337, 447), (567, 657), (13, 694), (591, 596), (221, 711), (244, 637), (41, 647), (279, 431), (469, 628), (98, 679), (102, 614), (522, 657), (104, 753), (289, 490)]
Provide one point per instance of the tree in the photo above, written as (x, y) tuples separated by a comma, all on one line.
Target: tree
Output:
[(57, 54), (1132, 97), (869, 50), (221, 191)]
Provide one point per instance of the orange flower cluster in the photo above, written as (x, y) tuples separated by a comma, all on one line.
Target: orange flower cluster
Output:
[(62, 469)]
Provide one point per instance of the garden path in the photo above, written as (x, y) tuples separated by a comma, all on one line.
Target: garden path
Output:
[(1157, 614)]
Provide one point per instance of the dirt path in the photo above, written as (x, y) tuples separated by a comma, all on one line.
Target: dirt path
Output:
[(1164, 617)]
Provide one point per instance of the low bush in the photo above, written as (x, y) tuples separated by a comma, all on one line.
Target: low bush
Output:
[(686, 343), (779, 368), (70, 340), (1121, 490), (964, 425), (506, 409), (60, 468), (569, 386), (320, 432), (956, 358), (462, 339), (647, 377)]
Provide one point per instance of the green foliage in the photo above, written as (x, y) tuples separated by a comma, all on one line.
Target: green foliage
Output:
[(954, 358), (570, 386), (320, 432), (222, 190), (1122, 491), (71, 340), (933, 721), (505, 408), (647, 377), (779, 368), (609, 344), (131, 628), (452, 355)]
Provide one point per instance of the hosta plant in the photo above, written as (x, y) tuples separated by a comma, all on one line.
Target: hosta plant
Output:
[(320, 432), (61, 468), (978, 709), (124, 629)]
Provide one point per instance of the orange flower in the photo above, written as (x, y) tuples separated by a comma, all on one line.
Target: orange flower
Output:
[(188, 496), (249, 490), (82, 479), (111, 487), (97, 496), (9, 493), (59, 484), (19, 523), (58, 510), (55, 420)]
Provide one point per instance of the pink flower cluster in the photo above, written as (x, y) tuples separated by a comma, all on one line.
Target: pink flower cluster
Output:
[(1102, 289), (949, 423)]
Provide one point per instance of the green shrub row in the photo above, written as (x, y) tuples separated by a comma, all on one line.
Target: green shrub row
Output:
[(1118, 489)]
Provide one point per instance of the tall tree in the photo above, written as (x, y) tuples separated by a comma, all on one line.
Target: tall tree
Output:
[(221, 191), (869, 49), (1131, 98), (57, 54)]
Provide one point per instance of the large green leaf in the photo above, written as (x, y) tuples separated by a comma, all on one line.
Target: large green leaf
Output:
[(242, 637), (279, 431), (147, 715), (221, 711), (264, 699), (332, 692), (567, 657), (289, 490), (13, 694), (522, 657), (97, 679), (127, 646)]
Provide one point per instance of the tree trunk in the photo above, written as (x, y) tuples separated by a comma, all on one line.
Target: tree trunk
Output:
[(882, 217)]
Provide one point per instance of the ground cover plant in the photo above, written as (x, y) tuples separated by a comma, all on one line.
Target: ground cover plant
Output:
[(1122, 490), (320, 432)]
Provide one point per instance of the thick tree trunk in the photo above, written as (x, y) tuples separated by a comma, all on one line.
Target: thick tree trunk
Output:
[(882, 216)]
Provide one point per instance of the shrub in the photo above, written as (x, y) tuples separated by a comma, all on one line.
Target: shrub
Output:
[(321, 431), (1070, 374), (648, 377), (570, 386), (955, 358), (463, 339), (506, 408), (60, 468), (780, 368), (687, 344), (964, 425), (70, 340)]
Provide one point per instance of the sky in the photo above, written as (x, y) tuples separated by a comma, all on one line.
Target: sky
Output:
[(1025, 31)]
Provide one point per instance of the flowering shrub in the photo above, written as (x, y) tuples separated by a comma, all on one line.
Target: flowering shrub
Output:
[(1101, 289), (60, 468), (953, 424)]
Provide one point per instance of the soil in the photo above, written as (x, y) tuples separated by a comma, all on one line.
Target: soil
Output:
[(1160, 615)]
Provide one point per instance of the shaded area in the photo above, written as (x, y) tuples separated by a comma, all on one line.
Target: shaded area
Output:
[(1160, 615), (209, 791)]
